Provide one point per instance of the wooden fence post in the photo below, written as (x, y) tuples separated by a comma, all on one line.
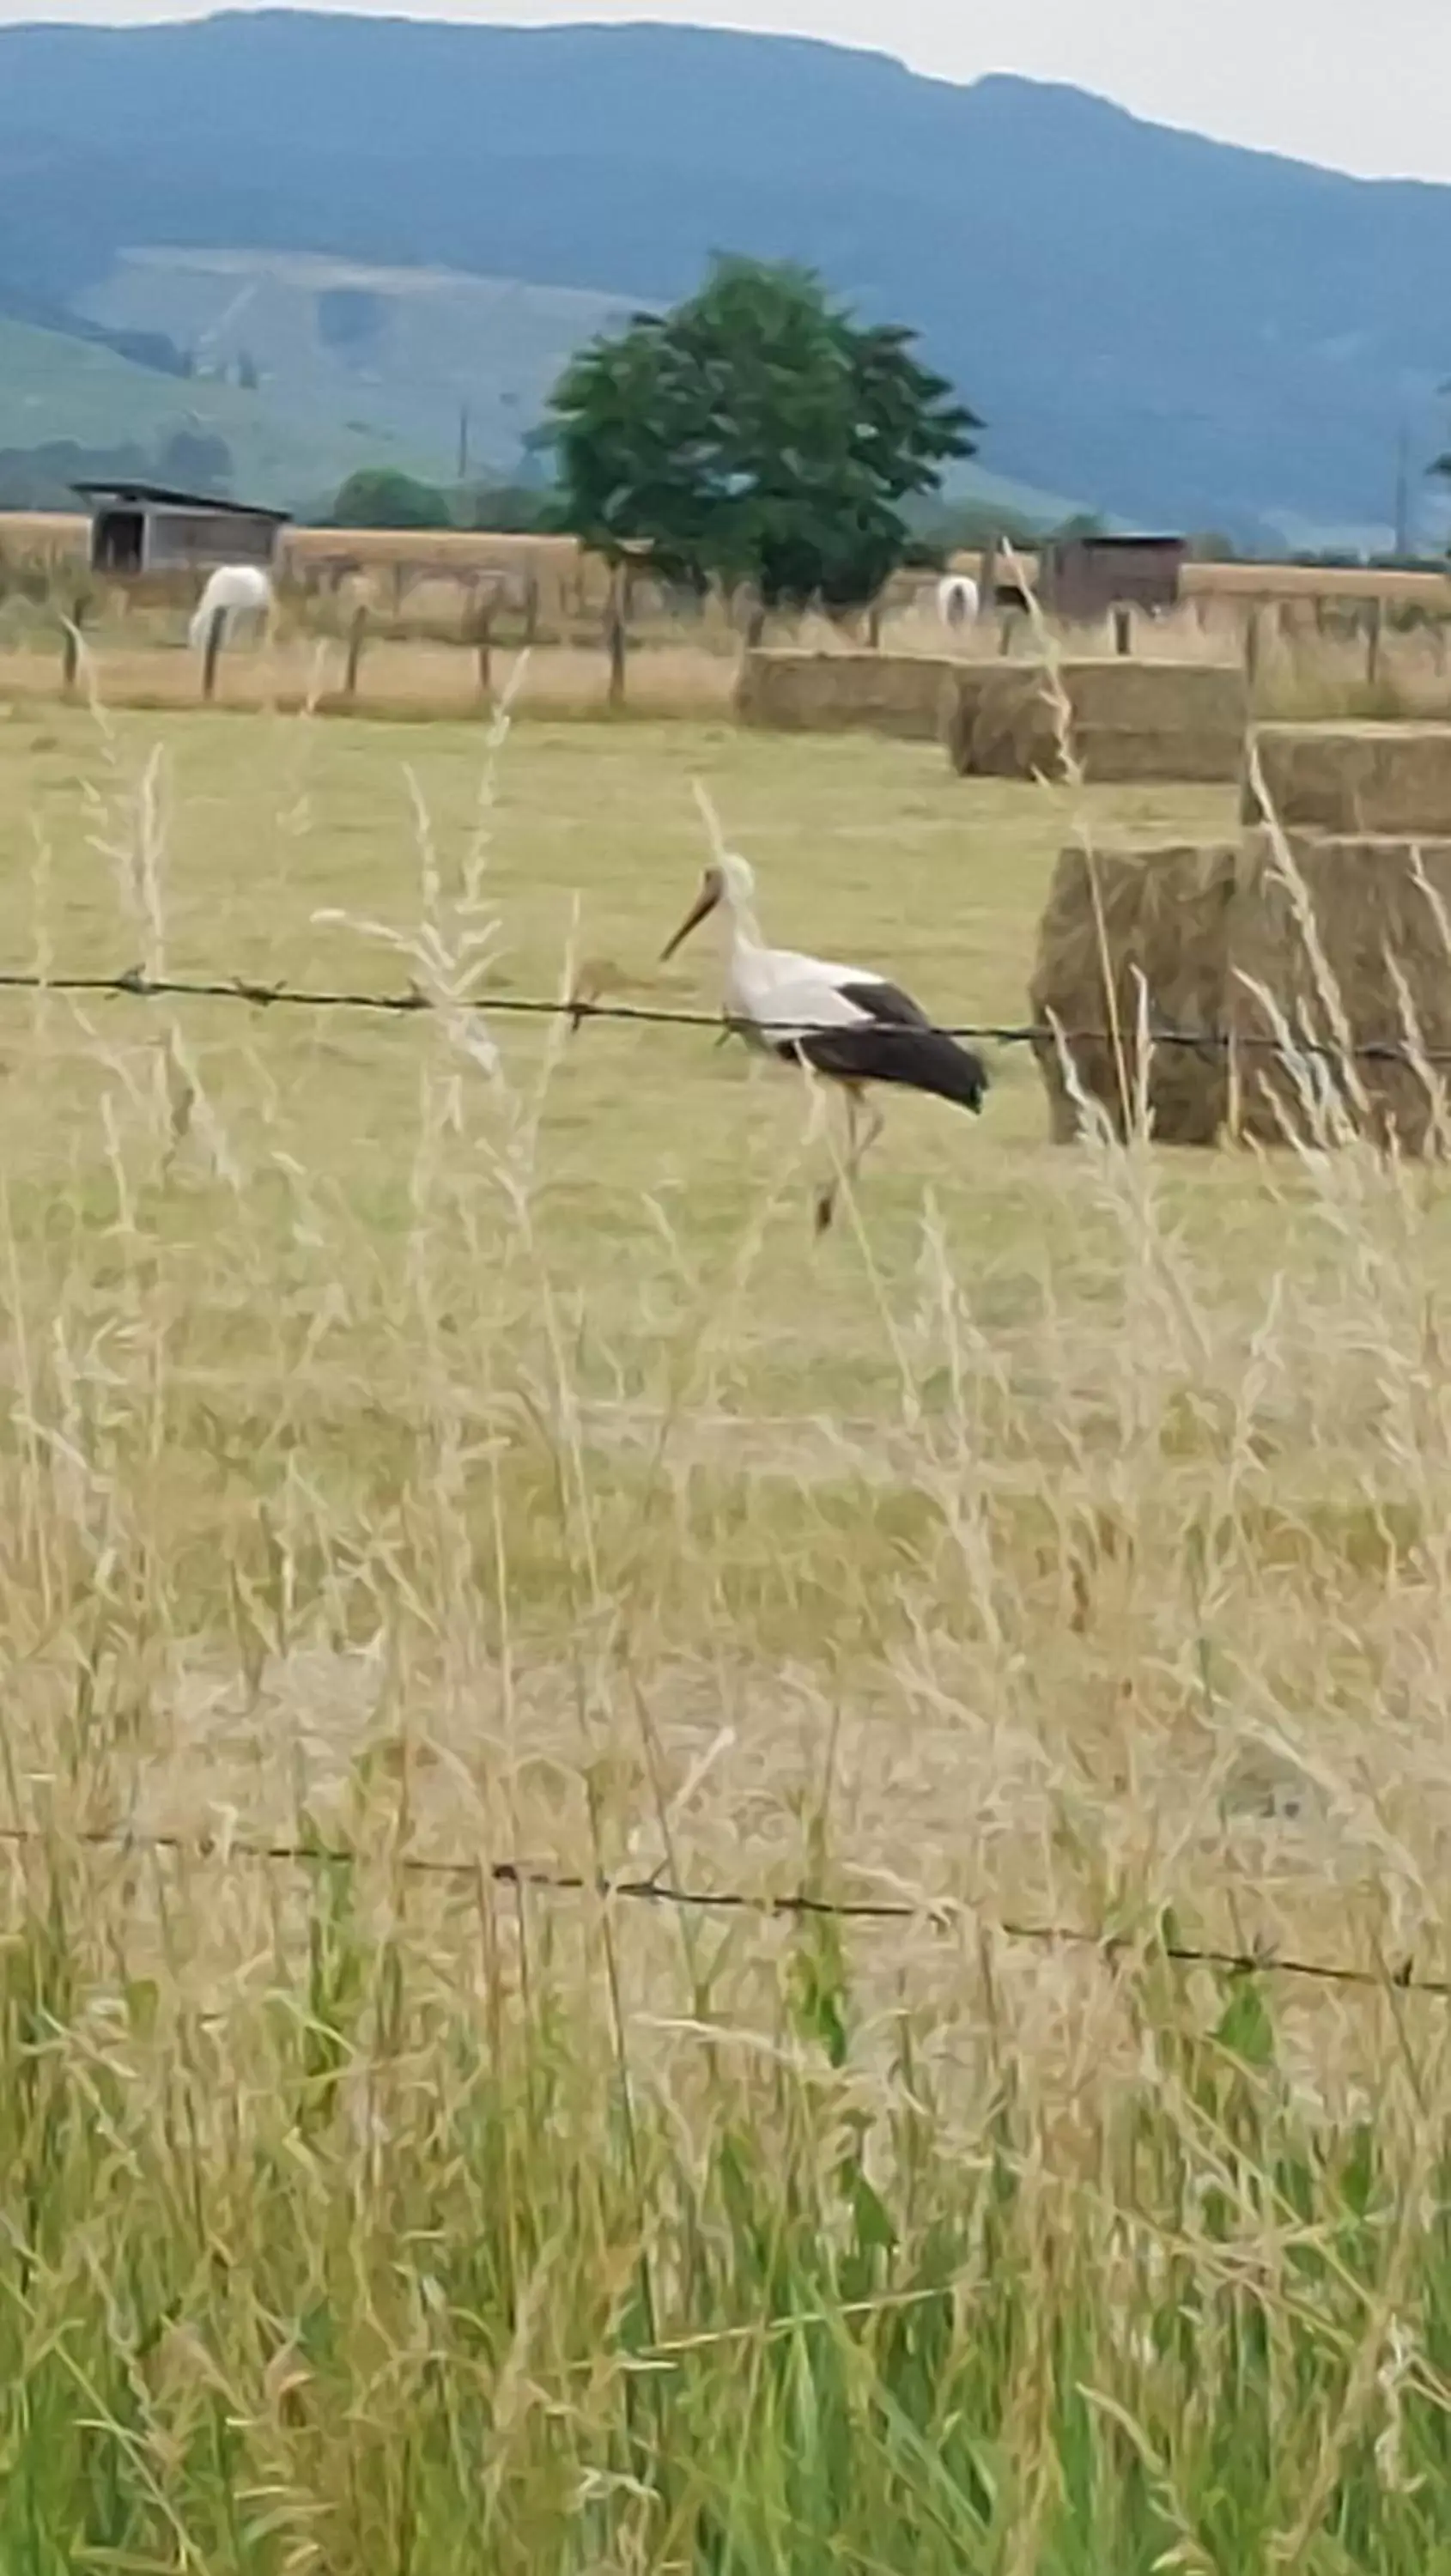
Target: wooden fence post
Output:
[(874, 626), (617, 636), (1374, 642), (357, 633), (483, 645), (1123, 632), (1252, 642), (987, 598), (216, 638), (531, 606), (70, 647)]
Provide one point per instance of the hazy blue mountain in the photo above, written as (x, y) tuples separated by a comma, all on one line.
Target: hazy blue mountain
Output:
[(1180, 331)]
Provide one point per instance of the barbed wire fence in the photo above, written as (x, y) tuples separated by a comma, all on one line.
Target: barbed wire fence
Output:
[(940, 1914), (525, 1879), (134, 984)]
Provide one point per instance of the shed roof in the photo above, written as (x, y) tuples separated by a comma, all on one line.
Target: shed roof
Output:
[(1121, 541), (167, 498)]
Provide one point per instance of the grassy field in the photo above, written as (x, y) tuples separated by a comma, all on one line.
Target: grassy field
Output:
[(446, 1437)]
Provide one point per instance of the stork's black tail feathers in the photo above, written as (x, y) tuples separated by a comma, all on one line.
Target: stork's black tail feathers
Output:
[(936, 1064)]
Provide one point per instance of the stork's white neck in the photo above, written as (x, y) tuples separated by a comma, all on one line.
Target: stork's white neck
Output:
[(739, 928)]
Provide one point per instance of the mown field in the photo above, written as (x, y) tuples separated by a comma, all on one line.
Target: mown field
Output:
[(444, 1439)]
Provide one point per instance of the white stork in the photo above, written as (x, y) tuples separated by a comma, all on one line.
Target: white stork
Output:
[(843, 1022)]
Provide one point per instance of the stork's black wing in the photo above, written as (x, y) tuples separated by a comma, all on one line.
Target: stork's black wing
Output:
[(894, 1042), (886, 1002)]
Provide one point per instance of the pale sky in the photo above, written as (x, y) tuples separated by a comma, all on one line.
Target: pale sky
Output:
[(1361, 84)]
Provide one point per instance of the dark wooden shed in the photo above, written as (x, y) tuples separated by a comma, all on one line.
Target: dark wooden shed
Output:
[(1080, 579), (143, 528)]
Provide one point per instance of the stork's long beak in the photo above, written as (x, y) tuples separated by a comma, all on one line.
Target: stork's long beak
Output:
[(703, 906)]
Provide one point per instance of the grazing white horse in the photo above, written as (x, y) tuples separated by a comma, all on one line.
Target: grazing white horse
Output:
[(242, 590), (958, 599)]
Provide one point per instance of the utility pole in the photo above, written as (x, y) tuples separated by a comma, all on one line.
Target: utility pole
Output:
[(1404, 531), (463, 443)]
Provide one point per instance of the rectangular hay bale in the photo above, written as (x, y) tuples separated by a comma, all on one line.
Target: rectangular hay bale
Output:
[(1007, 724), (899, 694), (1353, 781), (1380, 910), (959, 705), (1158, 697), (1121, 756), (1112, 917), (1127, 721)]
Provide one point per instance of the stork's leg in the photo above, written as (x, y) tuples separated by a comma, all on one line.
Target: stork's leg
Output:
[(862, 1143), (826, 1197)]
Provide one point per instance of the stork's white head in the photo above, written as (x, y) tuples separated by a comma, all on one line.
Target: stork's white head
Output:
[(729, 881)]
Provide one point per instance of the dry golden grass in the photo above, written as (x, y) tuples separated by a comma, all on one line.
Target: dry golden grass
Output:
[(421, 680), (469, 549), (756, 1400), (448, 1434), (57, 535), (1309, 583)]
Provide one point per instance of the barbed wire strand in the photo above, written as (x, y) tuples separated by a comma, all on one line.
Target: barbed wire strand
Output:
[(526, 1878), (136, 985)]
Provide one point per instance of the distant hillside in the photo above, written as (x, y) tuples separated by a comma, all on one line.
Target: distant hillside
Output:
[(1182, 332), (54, 386), (404, 351)]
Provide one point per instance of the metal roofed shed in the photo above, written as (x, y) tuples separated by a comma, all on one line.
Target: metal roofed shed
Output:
[(1081, 578), (141, 528)]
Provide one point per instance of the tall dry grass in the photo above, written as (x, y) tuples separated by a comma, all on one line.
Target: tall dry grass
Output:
[(359, 2219)]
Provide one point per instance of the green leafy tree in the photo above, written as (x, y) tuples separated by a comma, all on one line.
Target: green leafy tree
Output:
[(508, 509), (758, 434), (380, 497)]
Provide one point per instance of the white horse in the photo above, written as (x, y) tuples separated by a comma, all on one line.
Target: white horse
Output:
[(958, 599), (240, 591)]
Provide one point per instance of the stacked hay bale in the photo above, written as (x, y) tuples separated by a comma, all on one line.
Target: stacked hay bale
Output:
[(1391, 781), (1133, 938), (1330, 929), (1344, 944), (1121, 721), (1003, 720), (890, 693)]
